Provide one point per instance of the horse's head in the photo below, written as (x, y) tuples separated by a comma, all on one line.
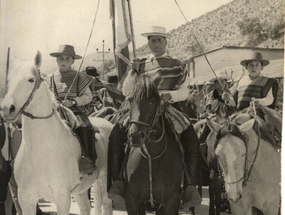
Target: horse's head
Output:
[(23, 80), (145, 106), (231, 150)]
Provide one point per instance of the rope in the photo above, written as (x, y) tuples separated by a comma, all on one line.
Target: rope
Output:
[(84, 51), (201, 48)]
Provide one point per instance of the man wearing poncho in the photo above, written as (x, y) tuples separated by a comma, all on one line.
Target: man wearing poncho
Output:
[(169, 74)]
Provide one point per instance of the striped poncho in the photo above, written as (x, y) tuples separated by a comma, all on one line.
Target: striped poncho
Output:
[(169, 73), (60, 83)]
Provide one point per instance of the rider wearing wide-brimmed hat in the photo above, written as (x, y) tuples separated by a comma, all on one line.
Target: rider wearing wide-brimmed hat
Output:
[(169, 74), (254, 86), (71, 88)]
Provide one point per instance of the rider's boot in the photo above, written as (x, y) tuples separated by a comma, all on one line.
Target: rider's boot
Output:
[(87, 161), (190, 142), (116, 154)]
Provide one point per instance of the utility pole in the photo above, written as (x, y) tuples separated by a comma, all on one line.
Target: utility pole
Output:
[(103, 58)]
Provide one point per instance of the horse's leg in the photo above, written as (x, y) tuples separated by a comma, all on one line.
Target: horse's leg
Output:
[(211, 197), (27, 201), (171, 207), (98, 201), (192, 211), (131, 204), (101, 198), (142, 208), (83, 203), (218, 192), (272, 209), (239, 209)]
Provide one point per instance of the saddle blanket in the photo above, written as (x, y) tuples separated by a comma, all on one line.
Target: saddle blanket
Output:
[(178, 119)]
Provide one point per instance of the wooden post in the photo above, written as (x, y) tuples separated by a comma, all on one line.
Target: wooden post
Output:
[(132, 28), (7, 67)]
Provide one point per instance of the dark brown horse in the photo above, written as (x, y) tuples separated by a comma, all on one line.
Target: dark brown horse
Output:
[(154, 168), (5, 169)]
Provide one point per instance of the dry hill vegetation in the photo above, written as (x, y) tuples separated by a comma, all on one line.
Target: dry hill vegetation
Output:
[(243, 23)]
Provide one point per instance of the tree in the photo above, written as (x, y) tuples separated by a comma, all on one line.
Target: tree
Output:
[(252, 29)]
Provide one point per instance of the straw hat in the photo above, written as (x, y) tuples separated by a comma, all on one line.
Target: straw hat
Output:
[(156, 31), (255, 56), (65, 50)]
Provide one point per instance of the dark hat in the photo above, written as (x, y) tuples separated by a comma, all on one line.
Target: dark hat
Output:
[(220, 75), (255, 56), (65, 50), (92, 71), (112, 79)]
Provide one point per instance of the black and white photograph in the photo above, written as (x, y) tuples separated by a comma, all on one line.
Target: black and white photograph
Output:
[(141, 107)]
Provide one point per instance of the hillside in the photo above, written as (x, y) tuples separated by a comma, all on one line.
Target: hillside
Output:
[(246, 23)]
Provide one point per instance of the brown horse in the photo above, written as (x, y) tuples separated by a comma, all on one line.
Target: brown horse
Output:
[(154, 168)]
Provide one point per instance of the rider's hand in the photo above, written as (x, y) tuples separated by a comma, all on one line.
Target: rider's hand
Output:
[(135, 65), (254, 101), (165, 96), (226, 97), (68, 103)]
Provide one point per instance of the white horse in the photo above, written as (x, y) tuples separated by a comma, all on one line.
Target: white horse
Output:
[(46, 165), (251, 165)]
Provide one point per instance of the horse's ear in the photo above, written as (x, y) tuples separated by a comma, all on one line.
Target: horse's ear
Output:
[(38, 60), (213, 125), (247, 125)]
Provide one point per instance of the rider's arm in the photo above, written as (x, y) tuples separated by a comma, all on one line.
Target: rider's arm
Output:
[(180, 94), (268, 99), (129, 83), (84, 98)]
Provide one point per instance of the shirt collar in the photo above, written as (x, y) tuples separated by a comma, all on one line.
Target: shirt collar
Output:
[(151, 56)]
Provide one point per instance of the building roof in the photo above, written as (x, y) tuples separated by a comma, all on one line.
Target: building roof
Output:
[(274, 70), (239, 47)]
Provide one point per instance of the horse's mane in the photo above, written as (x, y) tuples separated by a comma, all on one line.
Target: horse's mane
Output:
[(144, 90), (230, 128), (261, 128), (264, 132)]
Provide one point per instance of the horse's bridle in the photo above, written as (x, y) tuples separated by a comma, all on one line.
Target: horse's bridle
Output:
[(30, 98), (158, 113), (151, 124), (247, 171)]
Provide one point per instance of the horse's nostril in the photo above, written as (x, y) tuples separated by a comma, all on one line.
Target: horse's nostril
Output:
[(142, 135), (12, 109), (240, 196)]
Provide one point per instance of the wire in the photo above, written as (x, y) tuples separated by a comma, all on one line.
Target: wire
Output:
[(84, 51), (199, 45)]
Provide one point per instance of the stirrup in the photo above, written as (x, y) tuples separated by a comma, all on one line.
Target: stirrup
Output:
[(191, 197), (86, 165)]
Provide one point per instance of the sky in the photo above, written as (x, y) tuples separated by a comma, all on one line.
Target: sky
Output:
[(28, 25)]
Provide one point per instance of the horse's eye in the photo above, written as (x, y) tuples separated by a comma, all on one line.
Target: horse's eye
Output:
[(31, 80)]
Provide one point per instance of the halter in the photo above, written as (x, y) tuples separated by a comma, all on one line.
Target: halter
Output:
[(30, 98)]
